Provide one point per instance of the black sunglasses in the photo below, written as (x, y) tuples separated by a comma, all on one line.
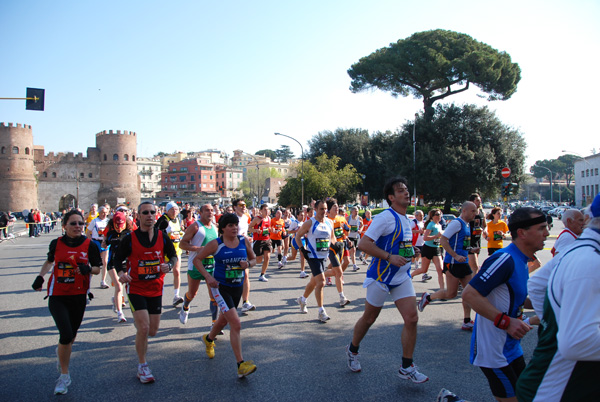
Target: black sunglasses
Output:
[(77, 223), (146, 212)]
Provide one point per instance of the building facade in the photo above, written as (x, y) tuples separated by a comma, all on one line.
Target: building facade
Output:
[(150, 172), (188, 177), (587, 179)]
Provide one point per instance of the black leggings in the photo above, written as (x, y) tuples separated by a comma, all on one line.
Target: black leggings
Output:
[(67, 312)]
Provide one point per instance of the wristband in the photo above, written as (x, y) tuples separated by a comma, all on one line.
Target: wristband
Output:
[(388, 257), (502, 321)]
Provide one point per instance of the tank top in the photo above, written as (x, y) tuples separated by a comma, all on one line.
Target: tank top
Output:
[(202, 237), (143, 265), (227, 263), (264, 227), (318, 238), (64, 281)]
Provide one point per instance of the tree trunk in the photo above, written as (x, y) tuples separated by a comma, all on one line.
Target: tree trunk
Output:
[(447, 206)]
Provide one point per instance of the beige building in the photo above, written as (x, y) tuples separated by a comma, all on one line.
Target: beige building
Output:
[(150, 171)]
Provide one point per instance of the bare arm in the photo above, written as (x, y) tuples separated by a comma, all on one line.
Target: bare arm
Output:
[(446, 245), (190, 232)]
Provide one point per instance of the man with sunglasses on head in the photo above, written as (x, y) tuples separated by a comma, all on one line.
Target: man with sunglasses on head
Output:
[(145, 250)]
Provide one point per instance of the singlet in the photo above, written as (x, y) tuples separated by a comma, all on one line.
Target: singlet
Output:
[(227, 263), (435, 228), (318, 238), (354, 224), (243, 224), (476, 226), (97, 227), (201, 238), (278, 229), (64, 281), (418, 239), (398, 240), (143, 265), (264, 225), (365, 226), (339, 222), (174, 230), (460, 240)]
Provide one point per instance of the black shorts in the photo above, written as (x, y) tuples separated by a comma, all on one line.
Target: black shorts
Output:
[(334, 258), (152, 304), (317, 265), (231, 295), (276, 243), (430, 252), (503, 380), (477, 245), (460, 270), (492, 250), (260, 246), (354, 240), (67, 312)]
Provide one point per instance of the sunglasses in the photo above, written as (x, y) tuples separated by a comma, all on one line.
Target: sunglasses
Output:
[(437, 214), (241, 205), (77, 223), (146, 212)]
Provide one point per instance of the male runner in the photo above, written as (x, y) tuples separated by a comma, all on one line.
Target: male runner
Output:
[(573, 220), (477, 225), (262, 240), (239, 207), (169, 223)]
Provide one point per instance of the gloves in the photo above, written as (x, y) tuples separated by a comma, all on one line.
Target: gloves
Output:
[(85, 269), (338, 247), (305, 253), (37, 284)]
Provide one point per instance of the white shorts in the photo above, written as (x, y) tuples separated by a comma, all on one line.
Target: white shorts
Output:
[(377, 292)]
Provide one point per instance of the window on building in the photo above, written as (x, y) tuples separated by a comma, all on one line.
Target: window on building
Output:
[(115, 157), (3, 150), (26, 151), (596, 171), (173, 178), (192, 186), (126, 157), (90, 175), (133, 158), (54, 174), (45, 174), (204, 177), (587, 190), (212, 186), (596, 190), (181, 178), (15, 150), (104, 156), (204, 185), (192, 177), (587, 172), (211, 177), (81, 175), (582, 173), (174, 170)]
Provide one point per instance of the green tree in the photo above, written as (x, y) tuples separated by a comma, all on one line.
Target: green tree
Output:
[(269, 153), (462, 150), (432, 65), (284, 154)]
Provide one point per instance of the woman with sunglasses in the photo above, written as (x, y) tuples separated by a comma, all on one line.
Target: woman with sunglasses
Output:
[(71, 260), (432, 250), (495, 231)]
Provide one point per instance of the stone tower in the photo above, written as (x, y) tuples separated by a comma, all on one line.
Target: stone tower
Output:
[(118, 167), (18, 182)]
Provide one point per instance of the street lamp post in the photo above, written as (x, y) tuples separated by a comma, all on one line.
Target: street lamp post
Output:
[(302, 164), (551, 195)]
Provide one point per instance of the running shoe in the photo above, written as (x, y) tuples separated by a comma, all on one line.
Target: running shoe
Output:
[(423, 302), (467, 326), (343, 301), (62, 384), (361, 257), (355, 267), (177, 300), (183, 316), (353, 363), (263, 278), (144, 374), (303, 274), (323, 317), (302, 304), (121, 317), (248, 307), (425, 278), (210, 347), (103, 285), (246, 368), (279, 264), (328, 283), (448, 396), (284, 260), (412, 374)]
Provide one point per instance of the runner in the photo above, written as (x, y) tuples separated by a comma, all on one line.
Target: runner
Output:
[(294, 227), (170, 224), (239, 206), (389, 241), (495, 231), (96, 231), (366, 223), (418, 226), (476, 225), (145, 250), (498, 294), (573, 220), (319, 238), (339, 252), (355, 223), (262, 241), (196, 237), (432, 249), (71, 258), (276, 232), (233, 255), (455, 240)]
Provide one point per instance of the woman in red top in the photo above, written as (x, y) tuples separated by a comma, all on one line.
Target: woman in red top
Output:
[(71, 258)]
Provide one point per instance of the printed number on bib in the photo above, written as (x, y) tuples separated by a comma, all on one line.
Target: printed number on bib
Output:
[(209, 264), (406, 249), (234, 273), (65, 273), (497, 236), (467, 243), (148, 269), (322, 244), (354, 228), (338, 232)]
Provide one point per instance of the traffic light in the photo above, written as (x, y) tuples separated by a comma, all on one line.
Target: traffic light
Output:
[(505, 189), (513, 188)]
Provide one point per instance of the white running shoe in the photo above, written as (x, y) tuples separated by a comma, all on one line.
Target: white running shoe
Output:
[(303, 274), (279, 264), (412, 374), (302, 304), (177, 300), (284, 260), (144, 374), (343, 301), (263, 278), (248, 307), (353, 363), (323, 317), (121, 317), (355, 267), (183, 316), (62, 384)]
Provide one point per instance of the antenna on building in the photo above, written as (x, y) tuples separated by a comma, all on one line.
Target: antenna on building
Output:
[(34, 99)]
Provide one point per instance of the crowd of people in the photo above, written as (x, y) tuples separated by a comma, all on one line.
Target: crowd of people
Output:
[(138, 248)]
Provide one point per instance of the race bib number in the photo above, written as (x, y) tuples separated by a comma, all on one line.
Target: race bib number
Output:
[(234, 274), (148, 269), (467, 243), (477, 231), (406, 249), (265, 232), (322, 244), (497, 236), (175, 237), (338, 232), (354, 228), (209, 264), (65, 273)]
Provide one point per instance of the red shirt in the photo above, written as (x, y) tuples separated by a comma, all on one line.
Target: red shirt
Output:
[(143, 265), (64, 281), (264, 227)]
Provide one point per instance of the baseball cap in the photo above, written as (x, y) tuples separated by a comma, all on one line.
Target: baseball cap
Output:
[(119, 218), (171, 205)]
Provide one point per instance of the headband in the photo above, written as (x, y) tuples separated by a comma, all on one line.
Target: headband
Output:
[(526, 223)]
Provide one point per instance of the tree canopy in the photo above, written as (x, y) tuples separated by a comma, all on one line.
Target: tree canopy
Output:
[(284, 154), (269, 153), (432, 65)]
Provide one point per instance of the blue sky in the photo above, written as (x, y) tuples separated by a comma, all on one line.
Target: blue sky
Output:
[(193, 75)]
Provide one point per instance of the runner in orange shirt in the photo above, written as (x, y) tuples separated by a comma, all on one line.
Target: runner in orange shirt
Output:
[(277, 231)]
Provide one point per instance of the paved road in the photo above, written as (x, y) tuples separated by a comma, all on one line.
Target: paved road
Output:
[(298, 358)]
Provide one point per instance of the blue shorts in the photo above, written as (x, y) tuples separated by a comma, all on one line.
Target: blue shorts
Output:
[(99, 244)]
